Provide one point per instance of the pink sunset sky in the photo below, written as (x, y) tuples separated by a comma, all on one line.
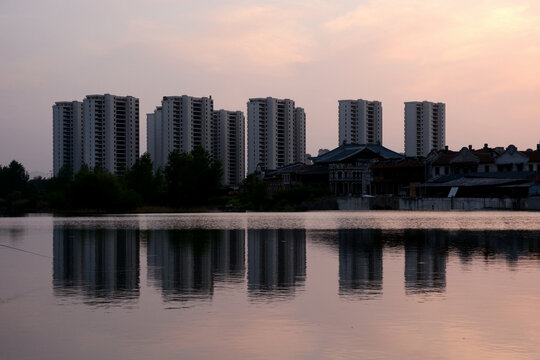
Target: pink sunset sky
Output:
[(481, 58)]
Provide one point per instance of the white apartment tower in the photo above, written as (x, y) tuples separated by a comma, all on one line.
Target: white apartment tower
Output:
[(276, 133), (154, 141), (110, 131), (180, 123), (67, 135), (424, 127), (229, 144), (360, 122), (184, 122)]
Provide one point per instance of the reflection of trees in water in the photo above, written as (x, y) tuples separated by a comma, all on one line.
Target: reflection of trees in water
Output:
[(101, 265), (360, 263), (276, 262), (186, 263)]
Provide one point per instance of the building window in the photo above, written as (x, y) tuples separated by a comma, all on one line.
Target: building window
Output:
[(437, 170), (486, 168)]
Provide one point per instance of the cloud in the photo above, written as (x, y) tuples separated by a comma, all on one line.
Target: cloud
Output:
[(252, 37), (436, 31)]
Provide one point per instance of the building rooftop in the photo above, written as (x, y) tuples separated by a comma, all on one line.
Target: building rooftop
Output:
[(347, 151)]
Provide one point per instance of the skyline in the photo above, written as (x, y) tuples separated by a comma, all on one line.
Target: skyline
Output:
[(479, 59)]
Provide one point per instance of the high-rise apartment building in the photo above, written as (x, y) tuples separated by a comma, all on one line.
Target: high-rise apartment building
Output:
[(154, 142), (360, 122), (67, 135), (276, 133), (229, 144), (110, 131), (424, 127), (184, 122), (180, 123), (101, 131)]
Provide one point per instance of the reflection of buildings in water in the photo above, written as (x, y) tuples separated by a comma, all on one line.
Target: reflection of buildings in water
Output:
[(360, 262), (494, 245), (96, 263), (426, 254), (185, 263), (276, 261)]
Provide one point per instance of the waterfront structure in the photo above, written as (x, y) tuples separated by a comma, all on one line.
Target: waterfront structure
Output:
[(67, 135), (276, 133), (110, 132), (487, 172), (350, 167), (184, 122), (229, 144), (424, 127), (360, 122)]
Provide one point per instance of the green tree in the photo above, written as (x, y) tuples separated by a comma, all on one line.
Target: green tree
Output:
[(192, 178), (140, 178), (254, 193), (13, 178), (101, 190)]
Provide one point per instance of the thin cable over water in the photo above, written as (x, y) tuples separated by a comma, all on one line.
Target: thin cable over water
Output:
[(26, 251)]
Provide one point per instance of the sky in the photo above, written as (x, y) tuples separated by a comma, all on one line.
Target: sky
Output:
[(480, 57)]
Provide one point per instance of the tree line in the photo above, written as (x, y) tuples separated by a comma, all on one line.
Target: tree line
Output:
[(188, 181)]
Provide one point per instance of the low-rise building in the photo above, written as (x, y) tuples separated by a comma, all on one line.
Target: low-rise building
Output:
[(350, 167)]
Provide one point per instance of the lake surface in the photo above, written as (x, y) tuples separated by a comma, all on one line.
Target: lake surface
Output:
[(315, 285)]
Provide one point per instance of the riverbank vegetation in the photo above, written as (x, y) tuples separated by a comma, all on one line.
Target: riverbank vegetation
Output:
[(190, 182)]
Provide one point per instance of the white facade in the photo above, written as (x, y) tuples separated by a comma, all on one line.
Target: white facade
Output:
[(67, 135), (360, 122), (229, 145), (181, 123), (154, 139), (276, 133), (110, 131), (184, 122), (424, 127)]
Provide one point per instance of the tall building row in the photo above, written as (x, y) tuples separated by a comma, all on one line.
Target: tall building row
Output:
[(101, 131), (360, 122), (184, 122), (276, 133)]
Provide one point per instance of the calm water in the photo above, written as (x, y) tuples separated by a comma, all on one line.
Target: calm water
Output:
[(318, 285)]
